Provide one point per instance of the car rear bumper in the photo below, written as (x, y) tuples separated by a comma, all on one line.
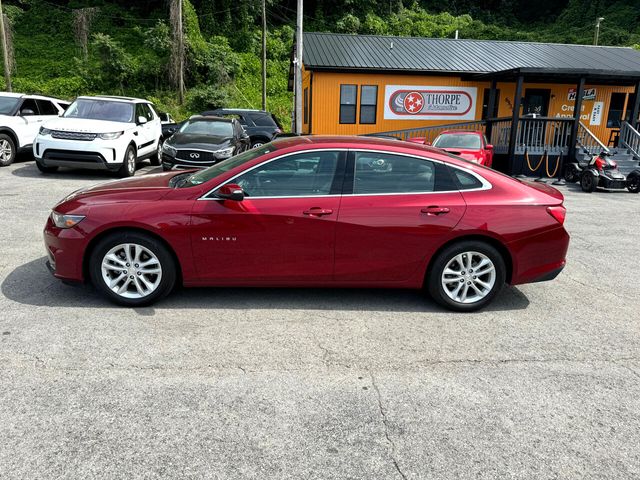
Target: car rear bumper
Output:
[(539, 258)]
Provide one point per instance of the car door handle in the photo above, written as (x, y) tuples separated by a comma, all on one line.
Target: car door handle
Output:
[(318, 212), (435, 210)]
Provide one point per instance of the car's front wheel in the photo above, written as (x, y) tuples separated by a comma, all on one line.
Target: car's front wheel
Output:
[(132, 269), (7, 150), (466, 276), (129, 163)]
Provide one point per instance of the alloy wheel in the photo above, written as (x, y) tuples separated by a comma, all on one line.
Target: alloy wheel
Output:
[(131, 270), (468, 277), (5, 150), (131, 162), (257, 144)]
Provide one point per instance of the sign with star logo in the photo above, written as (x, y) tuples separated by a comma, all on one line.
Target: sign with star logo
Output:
[(405, 102)]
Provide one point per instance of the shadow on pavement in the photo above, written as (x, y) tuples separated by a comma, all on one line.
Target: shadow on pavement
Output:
[(32, 284), (29, 170)]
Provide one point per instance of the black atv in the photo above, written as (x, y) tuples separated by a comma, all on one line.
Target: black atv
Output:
[(601, 172)]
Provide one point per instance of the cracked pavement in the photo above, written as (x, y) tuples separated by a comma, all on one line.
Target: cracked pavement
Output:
[(320, 384)]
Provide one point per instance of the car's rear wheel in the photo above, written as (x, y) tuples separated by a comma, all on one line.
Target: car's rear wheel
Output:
[(7, 150), (45, 169), (633, 182), (588, 182), (132, 269), (258, 142), (466, 276), (128, 168)]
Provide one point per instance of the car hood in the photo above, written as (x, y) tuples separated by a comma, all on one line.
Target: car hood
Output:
[(135, 189), (85, 125), (206, 142)]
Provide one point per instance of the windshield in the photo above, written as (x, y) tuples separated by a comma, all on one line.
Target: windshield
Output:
[(208, 127), (469, 141), (209, 173), (8, 104), (100, 110)]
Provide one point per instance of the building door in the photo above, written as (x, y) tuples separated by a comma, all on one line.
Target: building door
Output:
[(536, 100)]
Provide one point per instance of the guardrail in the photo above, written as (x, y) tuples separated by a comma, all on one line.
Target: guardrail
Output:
[(630, 139), (588, 141), (543, 134)]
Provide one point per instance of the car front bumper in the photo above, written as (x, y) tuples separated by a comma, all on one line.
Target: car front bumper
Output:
[(64, 247), (96, 154)]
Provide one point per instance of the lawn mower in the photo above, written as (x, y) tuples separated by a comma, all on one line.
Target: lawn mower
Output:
[(601, 171)]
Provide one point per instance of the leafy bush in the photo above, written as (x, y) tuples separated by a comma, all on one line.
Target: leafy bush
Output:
[(204, 98)]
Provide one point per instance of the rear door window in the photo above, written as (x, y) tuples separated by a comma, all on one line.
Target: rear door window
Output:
[(465, 180), (386, 173)]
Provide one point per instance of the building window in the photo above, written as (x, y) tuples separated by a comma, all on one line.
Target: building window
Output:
[(348, 101), (616, 109), (306, 106), (368, 103)]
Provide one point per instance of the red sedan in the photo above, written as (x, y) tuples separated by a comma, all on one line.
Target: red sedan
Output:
[(472, 146), (313, 212)]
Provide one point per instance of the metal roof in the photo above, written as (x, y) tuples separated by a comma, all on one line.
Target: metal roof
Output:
[(331, 51)]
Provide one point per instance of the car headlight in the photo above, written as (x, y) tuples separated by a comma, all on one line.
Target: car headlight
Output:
[(65, 221), (110, 135), (225, 152), (169, 150), (44, 131)]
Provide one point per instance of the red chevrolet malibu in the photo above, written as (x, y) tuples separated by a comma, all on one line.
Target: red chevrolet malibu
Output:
[(313, 212)]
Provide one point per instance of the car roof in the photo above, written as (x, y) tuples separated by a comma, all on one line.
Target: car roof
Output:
[(474, 132), (242, 110), (211, 118), (26, 95), (115, 98)]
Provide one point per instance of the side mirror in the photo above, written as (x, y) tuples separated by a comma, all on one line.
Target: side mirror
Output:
[(26, 112), (230, 191), (489, 147), (142, 120)]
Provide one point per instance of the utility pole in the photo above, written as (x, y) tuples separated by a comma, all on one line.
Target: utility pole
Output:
[(264, 54), (595, 39), (181, 56), (298, 70), (5, 52)]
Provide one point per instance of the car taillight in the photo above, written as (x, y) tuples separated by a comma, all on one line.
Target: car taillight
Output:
[(559, 213)]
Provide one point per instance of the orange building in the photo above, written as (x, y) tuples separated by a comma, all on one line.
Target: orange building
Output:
[(522, 95)]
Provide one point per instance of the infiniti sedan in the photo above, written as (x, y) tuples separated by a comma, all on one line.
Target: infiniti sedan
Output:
[(202, 141), (313, 212)]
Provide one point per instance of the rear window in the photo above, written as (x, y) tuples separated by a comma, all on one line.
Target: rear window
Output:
[(465, 180), (264, 120)]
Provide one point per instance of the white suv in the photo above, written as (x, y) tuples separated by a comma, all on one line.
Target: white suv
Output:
[(107, 133), (20, 119)]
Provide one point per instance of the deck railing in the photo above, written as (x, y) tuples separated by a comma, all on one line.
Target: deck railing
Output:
[(430, 133), (588, 142), (536, 135), (630, 139)]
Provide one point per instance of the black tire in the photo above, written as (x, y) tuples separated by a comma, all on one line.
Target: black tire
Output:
[(129, 163), (44, 169), (435, 274), (156, 158), (570, 174), (167, 263), (633, 183), (7, 150), (588, 182), (258, 142)]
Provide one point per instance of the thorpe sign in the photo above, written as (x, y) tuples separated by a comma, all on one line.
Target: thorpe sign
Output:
[(411, 102)]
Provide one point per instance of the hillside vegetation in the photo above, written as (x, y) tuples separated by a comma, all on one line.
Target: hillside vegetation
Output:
[(130, 42)]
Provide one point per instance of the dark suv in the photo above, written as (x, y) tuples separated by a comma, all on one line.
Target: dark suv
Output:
[(261, 126)]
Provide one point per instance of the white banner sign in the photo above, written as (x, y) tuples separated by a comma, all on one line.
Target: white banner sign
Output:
[(596, 113), (419, 102)]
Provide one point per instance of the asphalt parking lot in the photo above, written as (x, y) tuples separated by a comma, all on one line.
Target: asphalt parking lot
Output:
[(322, 384)]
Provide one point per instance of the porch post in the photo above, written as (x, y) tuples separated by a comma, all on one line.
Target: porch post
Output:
[(573, 138), (517, 100), (490, 107), (635, 107)]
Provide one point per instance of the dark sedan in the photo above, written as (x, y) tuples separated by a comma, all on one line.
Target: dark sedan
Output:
[(203, 141)]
